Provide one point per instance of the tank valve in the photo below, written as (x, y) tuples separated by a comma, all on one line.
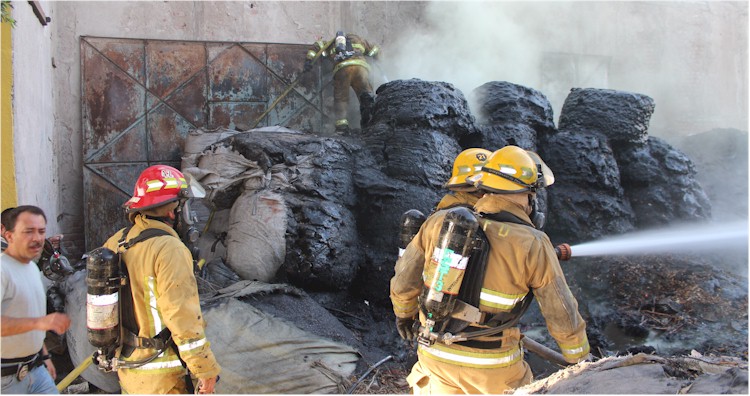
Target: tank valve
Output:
[(563, 252)]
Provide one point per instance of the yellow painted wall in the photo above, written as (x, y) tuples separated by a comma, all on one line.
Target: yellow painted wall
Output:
[(8, 197)]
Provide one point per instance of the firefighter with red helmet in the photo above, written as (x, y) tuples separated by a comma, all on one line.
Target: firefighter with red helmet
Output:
[(468, 339), (350, 69), (167, 335)]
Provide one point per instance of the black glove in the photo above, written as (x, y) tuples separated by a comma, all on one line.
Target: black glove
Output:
[(308, 65), (405, 328)]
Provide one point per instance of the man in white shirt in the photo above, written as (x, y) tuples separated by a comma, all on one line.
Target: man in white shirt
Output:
[(26, 366)]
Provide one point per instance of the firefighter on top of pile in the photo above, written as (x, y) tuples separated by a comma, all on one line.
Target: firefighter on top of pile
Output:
[(350, 69), (482, 354), (164, 292)]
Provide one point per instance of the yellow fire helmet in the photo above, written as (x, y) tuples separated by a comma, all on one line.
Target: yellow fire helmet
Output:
[(508, 170), (545, 177), (468, 163)]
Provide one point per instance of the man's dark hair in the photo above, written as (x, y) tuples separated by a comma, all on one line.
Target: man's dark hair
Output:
[(5, 216), (12, 217)]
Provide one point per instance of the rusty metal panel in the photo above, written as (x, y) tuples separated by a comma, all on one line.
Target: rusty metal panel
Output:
[(140, 99), (112, 101), (239, 75), (167, 133), (105, 188), (240, 116), (128, 55), (169, 64)]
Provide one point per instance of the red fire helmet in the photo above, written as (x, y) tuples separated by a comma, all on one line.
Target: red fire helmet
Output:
[(157, 185)]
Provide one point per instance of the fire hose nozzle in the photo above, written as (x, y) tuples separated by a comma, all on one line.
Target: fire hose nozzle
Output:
[(563, 252)]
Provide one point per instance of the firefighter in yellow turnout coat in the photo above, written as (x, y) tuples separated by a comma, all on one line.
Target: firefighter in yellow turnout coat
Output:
[(164, 292), (462, 193), (521, 259), (350, 69)]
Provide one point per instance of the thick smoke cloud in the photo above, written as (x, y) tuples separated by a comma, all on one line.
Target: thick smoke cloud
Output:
[(690, 57), (466, 44)]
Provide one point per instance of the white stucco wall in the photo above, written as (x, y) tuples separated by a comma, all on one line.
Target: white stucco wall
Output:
[(691, 57), (34, 133)]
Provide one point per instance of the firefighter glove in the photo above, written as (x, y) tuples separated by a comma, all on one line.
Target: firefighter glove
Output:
[(405, 328), (308, 65)]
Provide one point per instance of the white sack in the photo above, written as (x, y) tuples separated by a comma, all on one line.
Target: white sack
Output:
[(256, 243), (197, 141)]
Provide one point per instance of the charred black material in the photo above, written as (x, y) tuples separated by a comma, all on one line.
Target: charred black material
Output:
[(512, 114), (622, 117), (587, 201), (656, 181), (423, 105), (411, 141), (660, 183), (322, 246)]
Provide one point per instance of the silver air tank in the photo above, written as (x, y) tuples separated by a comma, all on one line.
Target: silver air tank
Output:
[(445, 271), (411, 221)]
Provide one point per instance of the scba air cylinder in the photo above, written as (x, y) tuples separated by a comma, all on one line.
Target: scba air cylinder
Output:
[(411, 221), (445, 271), (103, 297)]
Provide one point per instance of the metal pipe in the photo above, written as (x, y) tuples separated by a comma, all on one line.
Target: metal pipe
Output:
[(288, 88), (543, 352)]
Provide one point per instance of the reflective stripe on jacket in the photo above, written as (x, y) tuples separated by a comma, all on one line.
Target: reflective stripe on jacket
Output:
[(165, 295), (521, 258)]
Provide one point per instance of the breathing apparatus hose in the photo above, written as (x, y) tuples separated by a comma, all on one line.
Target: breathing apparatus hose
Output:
[(75, 373), (87, 362)]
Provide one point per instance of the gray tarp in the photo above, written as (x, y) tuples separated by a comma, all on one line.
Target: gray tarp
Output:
[(262, 354), (258, 353)]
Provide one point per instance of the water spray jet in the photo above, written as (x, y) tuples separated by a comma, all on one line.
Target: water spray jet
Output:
[(691, 238)]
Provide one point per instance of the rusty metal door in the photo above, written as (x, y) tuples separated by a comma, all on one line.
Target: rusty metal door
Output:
[(141, 98)]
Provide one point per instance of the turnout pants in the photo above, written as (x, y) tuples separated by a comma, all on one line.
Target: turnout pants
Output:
[(433, 377), (354, 76)]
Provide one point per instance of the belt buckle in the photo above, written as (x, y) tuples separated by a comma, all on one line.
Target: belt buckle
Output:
[(23, 371)]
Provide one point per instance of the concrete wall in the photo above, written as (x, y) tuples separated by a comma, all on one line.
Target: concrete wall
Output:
[(35, 138), (690, 56)]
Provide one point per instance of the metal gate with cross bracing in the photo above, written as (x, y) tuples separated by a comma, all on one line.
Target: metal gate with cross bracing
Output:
[(141, 98)]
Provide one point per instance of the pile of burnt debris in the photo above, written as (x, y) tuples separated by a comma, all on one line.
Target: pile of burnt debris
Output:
[(321, 214)]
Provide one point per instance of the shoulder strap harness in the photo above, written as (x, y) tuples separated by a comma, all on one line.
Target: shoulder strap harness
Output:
[(130, 328), (472, 286)]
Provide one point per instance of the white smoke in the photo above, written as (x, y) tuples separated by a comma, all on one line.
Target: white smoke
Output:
[(466, 44), (690, 57)]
